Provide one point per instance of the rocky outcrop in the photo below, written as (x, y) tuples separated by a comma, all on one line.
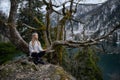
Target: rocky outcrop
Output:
[(25, 70)]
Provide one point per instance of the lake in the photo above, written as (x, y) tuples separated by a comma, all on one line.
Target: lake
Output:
[(110, 64)]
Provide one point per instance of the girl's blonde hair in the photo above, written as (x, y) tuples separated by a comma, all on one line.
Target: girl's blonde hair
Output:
[(34, 33), (33, 40)]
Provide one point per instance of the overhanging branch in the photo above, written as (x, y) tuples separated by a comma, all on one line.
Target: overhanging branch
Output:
[(76, 44)]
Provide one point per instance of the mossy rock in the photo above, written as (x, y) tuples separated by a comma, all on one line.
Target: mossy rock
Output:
[(24, 70)]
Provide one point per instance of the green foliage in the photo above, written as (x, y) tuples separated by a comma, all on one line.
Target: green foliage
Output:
[(7, 52), (82, 64), (31, 15)]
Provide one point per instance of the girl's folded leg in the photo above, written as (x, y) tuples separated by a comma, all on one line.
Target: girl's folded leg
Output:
[(34, 54), (41, 54), (35, 58)]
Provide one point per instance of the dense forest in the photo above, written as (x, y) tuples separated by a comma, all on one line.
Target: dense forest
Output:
[(76, 32)]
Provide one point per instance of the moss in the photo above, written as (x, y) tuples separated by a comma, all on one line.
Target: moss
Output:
[(59, 53), (4, 73), (27, 66), (62, 73), (57, 56), (34, 67)]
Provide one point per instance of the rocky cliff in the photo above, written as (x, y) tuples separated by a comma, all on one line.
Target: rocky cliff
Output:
[(22, 69)]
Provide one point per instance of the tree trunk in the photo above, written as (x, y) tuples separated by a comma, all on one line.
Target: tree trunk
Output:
[(10, 31), (17, 40)]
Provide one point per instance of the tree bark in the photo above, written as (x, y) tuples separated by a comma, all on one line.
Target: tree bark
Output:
[(9, 30)]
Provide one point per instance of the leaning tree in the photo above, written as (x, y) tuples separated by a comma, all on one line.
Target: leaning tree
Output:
[(8, 26), (55, 35)]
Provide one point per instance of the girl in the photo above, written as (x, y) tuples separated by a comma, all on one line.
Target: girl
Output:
[(36, 51)]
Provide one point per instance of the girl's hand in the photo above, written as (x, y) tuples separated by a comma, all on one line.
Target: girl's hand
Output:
[(36, 51), (45, 50)]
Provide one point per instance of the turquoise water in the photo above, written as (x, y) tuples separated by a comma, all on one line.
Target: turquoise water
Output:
[(110, 66), (108, 63)]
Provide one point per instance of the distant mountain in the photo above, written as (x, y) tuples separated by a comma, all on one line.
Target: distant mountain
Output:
[(104, 16), (82, 10), (97, 18)]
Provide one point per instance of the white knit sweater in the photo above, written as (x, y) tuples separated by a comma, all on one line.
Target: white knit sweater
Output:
[(35, 48)]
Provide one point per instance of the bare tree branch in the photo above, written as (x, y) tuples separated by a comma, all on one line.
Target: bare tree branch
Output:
[(18, 41), (49, 11), (29, 27), (77, 44)]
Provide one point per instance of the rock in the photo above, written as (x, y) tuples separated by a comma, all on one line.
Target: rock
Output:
[(23, 69)]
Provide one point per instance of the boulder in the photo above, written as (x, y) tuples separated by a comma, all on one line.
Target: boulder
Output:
[(23, 69)]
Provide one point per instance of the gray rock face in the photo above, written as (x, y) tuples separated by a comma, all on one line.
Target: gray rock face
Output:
[(105, 17), (25, 70), (100, 19)]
